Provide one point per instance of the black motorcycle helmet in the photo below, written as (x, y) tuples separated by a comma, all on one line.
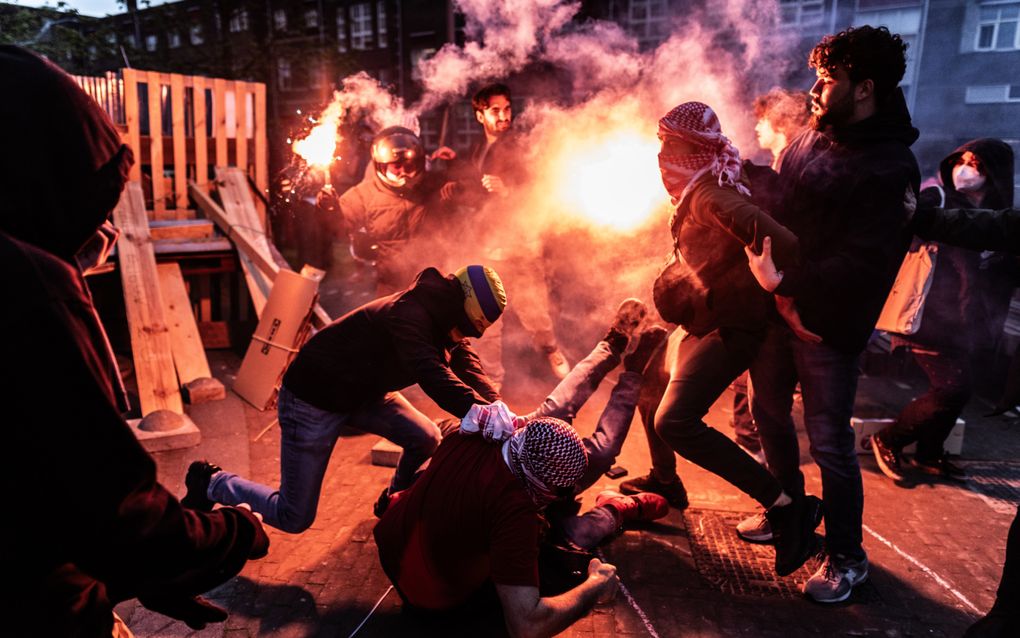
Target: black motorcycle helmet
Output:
[(399, 158)]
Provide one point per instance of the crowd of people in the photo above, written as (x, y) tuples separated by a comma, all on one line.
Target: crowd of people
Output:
[(777, 277)]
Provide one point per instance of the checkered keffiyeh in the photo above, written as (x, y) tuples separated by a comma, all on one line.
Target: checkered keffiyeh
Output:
[(547, 456), (697, 124)]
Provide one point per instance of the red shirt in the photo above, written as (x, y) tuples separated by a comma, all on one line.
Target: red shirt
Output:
[(465, 521)]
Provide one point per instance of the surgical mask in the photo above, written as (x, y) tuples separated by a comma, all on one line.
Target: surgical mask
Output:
[(967, 179)]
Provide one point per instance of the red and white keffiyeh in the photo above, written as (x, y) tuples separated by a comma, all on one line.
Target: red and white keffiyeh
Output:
[(697, 124)]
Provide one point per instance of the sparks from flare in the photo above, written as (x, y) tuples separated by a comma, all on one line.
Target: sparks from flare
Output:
[(319, 146), (612, 180)]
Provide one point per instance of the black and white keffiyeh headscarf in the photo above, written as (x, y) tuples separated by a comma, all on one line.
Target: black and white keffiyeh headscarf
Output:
[(547, 456), (697, 124)]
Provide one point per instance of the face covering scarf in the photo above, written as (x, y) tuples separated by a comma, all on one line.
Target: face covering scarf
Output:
[(696, 123)]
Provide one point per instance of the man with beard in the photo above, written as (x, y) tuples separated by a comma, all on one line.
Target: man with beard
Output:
[(842, 188), (487, 183)]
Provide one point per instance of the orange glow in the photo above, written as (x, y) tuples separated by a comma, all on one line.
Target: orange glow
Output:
[(611, 180), (319, 146)]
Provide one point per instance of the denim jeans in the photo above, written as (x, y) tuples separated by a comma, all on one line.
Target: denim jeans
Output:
[(575, 389), (929, 418), (828, 380), (704, 367), (307, 438)]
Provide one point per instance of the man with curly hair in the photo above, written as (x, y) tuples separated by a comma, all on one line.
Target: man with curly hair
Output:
[(842, 186)]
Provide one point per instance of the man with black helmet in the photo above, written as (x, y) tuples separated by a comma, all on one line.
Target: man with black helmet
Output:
[(383, 213)]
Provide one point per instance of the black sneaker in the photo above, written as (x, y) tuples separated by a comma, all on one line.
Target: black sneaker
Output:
[(942, 468), (793, 532), (674, 491), (197, 483), (888, 458), (382, 503)]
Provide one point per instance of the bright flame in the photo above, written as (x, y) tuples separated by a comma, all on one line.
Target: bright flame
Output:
[(612, 180), (319, 146)]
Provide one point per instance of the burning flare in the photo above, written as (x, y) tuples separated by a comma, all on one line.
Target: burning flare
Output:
[(612, 180), (319, 146)]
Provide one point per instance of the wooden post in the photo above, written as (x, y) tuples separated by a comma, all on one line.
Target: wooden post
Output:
[(220, 121), (134, 134), (201, 139), (261, 152), (180, 146), (156, 144), (150, 337), (241, 131)]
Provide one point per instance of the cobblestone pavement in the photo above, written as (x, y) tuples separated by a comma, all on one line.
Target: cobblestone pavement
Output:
[(936, 548)]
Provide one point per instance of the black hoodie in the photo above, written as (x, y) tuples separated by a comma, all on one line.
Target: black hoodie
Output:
[(842, 193), (389, 344), (87, 523)]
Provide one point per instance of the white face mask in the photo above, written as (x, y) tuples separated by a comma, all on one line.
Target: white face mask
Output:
[(967, 179)]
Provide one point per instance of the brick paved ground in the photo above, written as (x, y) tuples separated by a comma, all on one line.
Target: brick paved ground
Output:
[(935, 549)]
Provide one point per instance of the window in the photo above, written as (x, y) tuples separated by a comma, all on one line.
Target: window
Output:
[(801, 12), (647, 20), (417, 56), (283, 73), (239, 20), (195, 35), (173, 39), (311, 18), (341, 31), (151, 42), (361, 25), (992, 94), (997, 28), (380, 15), (280, 20)]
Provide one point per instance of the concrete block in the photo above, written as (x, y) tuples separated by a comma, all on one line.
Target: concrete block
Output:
[(165, 430), (203, 390), (864, 429), (386, 454)]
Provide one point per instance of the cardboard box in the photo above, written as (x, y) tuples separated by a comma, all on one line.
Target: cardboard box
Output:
[(865, 428), (280, 333)]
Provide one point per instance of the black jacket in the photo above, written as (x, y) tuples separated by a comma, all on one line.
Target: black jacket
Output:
[(88, 525), (389, 344), (955, 312), (842, 193)]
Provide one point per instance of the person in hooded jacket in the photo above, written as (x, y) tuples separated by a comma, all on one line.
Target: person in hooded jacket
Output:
[(350, 373), (88, 524), (842, 192), (708, 290), (979, 174)]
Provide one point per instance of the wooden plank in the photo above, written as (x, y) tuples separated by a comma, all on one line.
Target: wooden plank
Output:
[(201, 139), (220, 121), (246, 248), (156, 145), (134, 135), (181, 229), (241, 132), (180, 145), (150, 336), (189, 356), (261, 150)]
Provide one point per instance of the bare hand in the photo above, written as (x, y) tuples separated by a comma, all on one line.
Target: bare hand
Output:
[(910, 203), (245, 506), (326, 199), (494, 184), (788, 311), (443, 153), (447, 191), (762, 266), (606, 574)]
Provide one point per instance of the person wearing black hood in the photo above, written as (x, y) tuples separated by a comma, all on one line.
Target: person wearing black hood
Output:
[(88, 524), (979, 174), (842, 187), (349, 375)]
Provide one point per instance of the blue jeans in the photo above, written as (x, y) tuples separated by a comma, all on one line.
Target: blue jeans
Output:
[(307, 438), (828, 381), (575, 389)]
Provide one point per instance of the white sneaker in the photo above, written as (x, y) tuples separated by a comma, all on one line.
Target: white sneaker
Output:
[(755, 529), (836, 578)]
